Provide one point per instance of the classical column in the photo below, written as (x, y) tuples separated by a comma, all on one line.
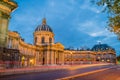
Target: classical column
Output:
[(38, 61), (62, 56), (54, 58), (47, 57), (42, 57), (58, 57), (6, 7), (56, 53), (50, 57)]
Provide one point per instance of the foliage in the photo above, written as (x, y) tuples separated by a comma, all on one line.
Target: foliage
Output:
[(118, 58), (112, 7)]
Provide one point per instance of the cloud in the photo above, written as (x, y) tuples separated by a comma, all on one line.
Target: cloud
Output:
[(94, 28), (102, 33), (95, 34), (87, 6)]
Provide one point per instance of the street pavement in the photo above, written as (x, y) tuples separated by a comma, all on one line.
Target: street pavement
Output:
[(111, 74), (58, 74)]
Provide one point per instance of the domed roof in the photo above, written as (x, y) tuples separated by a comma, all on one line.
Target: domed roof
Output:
[(43, 27), (101, 47)]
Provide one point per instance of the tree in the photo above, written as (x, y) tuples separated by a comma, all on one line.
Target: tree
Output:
[(118, 59), (112, 7)]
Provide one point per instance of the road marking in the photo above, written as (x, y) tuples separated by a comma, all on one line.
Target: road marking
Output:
[(85, 66), (83, 74)]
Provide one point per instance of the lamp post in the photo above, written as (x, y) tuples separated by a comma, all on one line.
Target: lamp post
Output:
[(99, 58)]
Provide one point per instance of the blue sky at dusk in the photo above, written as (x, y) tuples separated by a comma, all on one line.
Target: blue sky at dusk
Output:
[(76, 23)]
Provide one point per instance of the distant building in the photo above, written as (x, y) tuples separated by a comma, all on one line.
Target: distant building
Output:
[(104, 53), (79, 57), (15, 52), (100, 53)]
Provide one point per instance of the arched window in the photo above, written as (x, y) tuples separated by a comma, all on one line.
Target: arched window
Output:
[(36, 39), (42, 40), (50, 40)]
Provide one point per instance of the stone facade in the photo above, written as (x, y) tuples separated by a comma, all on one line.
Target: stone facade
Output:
[(79, 57), (89, 57), (41, 53), (15, 52), (6, 7)]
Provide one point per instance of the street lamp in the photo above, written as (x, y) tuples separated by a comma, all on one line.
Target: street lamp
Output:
[(108, 60), (102, 60), (99, 58)]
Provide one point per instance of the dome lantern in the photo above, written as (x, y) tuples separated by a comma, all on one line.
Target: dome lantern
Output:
[(44, 21), (43, 26)]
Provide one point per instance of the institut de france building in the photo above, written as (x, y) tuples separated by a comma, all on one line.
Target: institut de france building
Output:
[(15, 52)]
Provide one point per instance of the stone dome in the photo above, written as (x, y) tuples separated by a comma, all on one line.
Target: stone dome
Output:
[(102, 47), (43, 27)]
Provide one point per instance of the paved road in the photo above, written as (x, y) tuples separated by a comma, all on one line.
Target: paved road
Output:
[(111, 74), (52, 75)]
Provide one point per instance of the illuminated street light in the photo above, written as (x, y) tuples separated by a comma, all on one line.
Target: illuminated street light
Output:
[(102, 60), (99, 58), (31, 60), (108, 60)]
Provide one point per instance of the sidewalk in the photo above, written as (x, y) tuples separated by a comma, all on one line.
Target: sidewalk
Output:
[(45, 68)]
